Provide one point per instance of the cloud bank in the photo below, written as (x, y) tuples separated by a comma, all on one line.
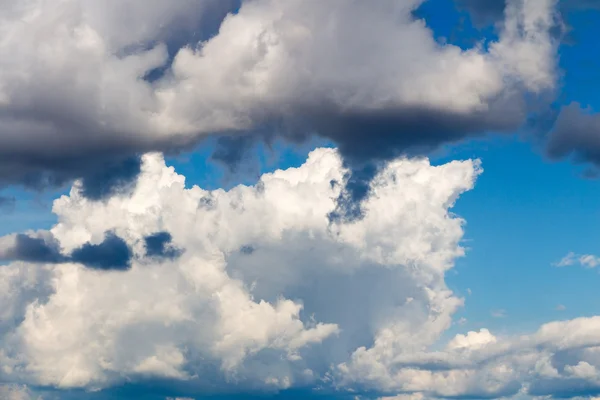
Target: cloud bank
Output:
[(92, 96), (265, 294)]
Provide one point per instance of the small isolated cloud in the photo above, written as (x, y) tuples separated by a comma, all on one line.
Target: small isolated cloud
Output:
[(584, 260), (498, 313), (561, 307)]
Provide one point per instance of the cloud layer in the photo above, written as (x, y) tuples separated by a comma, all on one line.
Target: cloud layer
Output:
[(263, 293), (92, 96)]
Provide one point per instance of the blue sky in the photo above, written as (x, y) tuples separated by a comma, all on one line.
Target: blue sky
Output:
[(525, 213)]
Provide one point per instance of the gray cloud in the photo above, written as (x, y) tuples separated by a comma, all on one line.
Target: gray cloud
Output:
[(158, 245), (372, 82), (111, 254), (576, 134)]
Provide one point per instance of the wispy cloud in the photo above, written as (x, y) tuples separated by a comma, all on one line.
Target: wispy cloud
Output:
[(584, 260), (498, 313)]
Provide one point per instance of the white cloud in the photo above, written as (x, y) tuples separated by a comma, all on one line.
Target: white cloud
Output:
[(559, 358), (472, 340), (268, 295), (275, 316), (585, 260)]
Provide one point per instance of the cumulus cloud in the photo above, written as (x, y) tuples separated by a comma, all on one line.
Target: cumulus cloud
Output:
[(266, 294), (92, 96), (558, 360), (308, 294)]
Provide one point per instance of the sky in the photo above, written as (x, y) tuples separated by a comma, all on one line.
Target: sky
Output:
[(239, 199)]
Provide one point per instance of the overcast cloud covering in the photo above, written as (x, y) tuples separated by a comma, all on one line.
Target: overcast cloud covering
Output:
[(329, 277)]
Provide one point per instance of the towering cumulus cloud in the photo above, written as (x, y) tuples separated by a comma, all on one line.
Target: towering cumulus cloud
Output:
[(86, 87), (253, 289)]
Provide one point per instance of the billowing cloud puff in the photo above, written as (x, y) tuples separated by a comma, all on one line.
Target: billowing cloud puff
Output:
[(264, 293), (85, 89)]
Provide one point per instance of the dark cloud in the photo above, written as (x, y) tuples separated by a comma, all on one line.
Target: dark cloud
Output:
[(357, 186), (34, 249), (383, 135), (158, 245), (367, 140), (576, 134), (113, 178), (112, 254)]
